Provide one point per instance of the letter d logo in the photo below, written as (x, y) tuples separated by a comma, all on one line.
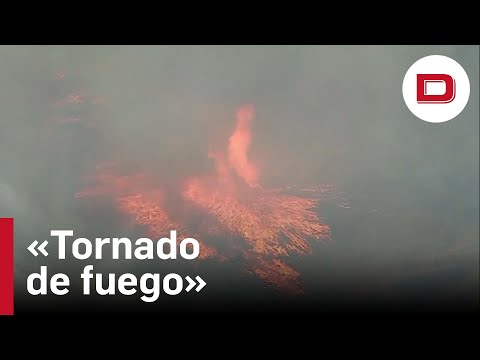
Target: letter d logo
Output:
[(444, 81), (436, 88)]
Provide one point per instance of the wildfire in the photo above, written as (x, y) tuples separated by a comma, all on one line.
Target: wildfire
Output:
[(267, 224), (272, 224)]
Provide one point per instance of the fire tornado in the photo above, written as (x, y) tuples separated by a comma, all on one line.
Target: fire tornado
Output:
[(262, 225)]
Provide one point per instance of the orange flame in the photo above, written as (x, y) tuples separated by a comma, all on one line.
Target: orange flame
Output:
[(141, 202), (239, 144), (268, 224), (272, 223)]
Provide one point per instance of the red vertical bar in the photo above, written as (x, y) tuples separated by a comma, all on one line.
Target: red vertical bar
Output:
[(6, 266)]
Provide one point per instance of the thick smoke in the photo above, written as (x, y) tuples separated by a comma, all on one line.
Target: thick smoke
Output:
[(323, 114)]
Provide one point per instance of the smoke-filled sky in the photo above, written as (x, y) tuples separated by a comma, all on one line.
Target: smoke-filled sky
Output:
[(323, 115)]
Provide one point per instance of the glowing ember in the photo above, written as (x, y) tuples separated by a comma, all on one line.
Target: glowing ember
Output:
[(267, 224), (272, 223), (278, 274), (68, 106), (140, 202)]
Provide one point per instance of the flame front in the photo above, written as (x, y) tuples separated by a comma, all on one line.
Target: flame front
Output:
[(271, 223), (262, 225)]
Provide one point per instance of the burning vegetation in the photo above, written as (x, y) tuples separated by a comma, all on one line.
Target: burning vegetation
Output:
[(228, 210), (262, 225)]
